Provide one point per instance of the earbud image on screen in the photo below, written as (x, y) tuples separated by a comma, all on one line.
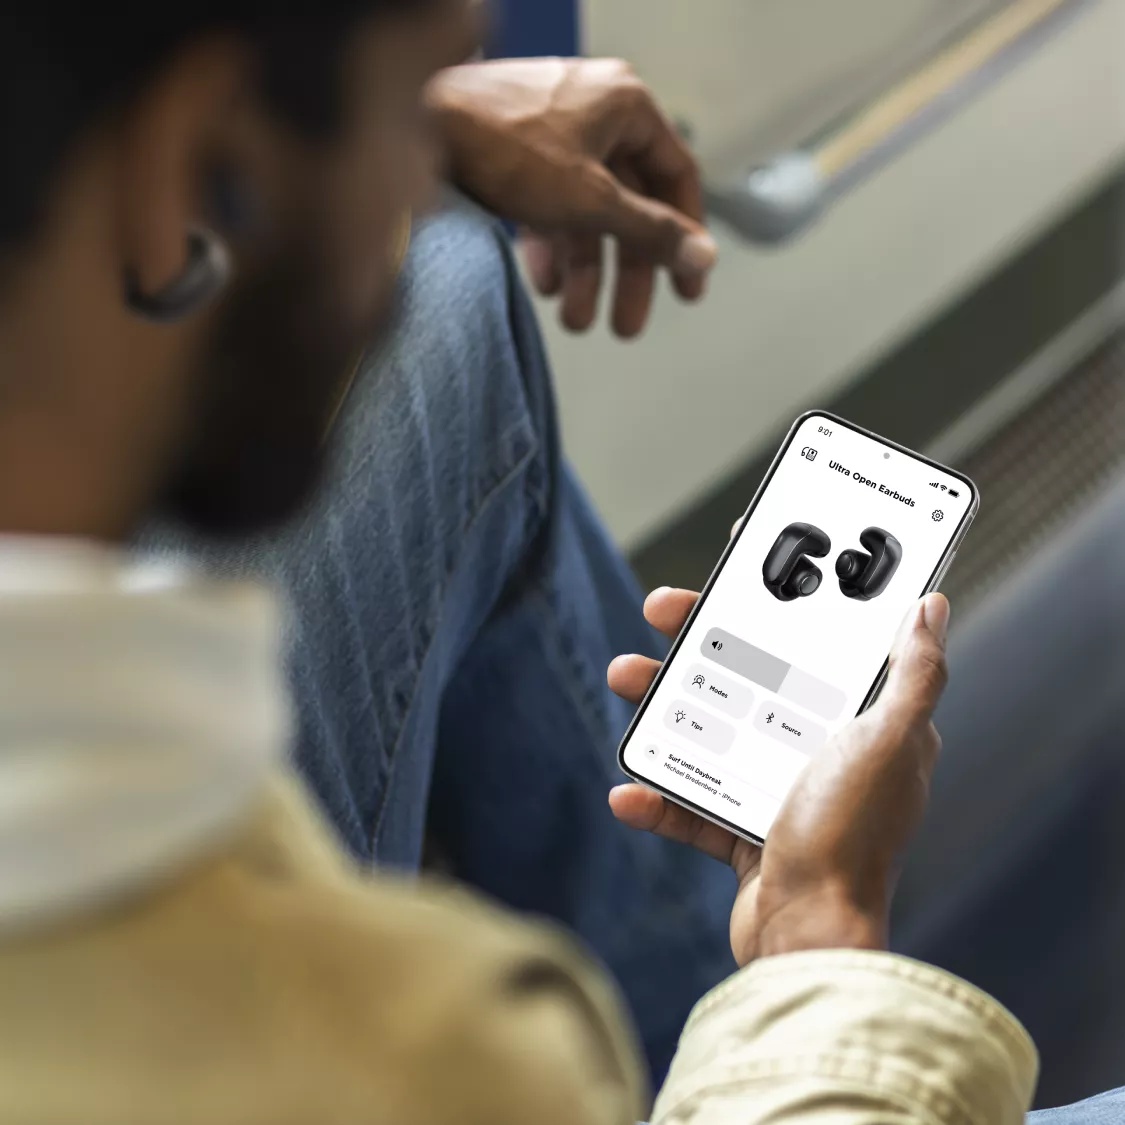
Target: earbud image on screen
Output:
[(794, 631)]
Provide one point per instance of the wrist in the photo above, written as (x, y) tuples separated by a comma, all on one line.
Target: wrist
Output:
[(824, 919), (454, 100), (445, 105), (465, 138), (440, 94)]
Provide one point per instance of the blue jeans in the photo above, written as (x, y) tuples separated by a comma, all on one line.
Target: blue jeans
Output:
[(1106, 1109), (455, 603)]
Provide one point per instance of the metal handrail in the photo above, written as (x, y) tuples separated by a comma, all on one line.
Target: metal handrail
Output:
[(779, 200)]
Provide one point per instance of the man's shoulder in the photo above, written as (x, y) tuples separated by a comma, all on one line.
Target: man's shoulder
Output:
[(289, 877), (276, 971), (283, 906)]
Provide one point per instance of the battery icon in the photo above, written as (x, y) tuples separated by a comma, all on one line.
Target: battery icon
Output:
[(954, 493)]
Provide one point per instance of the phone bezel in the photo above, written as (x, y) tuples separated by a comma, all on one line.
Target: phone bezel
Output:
[(935, 577)]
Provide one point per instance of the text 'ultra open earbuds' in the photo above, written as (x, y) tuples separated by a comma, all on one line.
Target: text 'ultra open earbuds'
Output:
[(866, 576), (787, 572)]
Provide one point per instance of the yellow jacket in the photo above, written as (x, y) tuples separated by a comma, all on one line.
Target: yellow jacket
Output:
[(274, 985)]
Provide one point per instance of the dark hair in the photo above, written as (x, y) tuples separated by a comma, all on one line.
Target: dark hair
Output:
[(61, 71)]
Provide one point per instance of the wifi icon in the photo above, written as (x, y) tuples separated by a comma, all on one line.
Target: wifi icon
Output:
[(945, 488)]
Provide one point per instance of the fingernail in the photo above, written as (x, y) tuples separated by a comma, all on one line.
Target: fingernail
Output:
[(697, 254), (935, 613)]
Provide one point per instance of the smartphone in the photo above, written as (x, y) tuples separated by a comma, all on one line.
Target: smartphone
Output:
[(790, 638)]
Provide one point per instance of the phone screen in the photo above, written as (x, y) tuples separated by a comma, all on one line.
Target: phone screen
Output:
[(790, 639)]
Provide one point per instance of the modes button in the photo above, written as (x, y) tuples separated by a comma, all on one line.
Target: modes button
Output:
[(718, 691)]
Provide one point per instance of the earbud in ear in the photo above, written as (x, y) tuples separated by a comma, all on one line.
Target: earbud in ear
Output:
[(866, 574), (203, 279), (787, 572)]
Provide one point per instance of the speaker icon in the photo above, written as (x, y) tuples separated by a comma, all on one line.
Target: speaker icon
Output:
[(717, 646)]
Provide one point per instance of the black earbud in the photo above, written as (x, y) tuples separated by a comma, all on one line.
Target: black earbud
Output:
[(865, 576), (787, 572), (230, 208), (204, 277)]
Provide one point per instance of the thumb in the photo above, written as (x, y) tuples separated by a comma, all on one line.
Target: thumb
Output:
[(917, 674), (657, 231)]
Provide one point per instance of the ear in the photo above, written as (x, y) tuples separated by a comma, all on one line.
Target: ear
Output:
[(170, 139)]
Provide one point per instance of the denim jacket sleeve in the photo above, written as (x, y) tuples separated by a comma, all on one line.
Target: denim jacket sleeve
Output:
[(844, 1038)]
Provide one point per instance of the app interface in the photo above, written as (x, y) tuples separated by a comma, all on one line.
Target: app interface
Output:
[(797, 627)]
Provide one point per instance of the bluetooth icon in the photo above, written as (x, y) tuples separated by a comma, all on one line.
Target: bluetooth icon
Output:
[(769, 718)]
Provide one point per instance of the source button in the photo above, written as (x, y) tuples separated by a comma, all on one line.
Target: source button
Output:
[(790, 728)]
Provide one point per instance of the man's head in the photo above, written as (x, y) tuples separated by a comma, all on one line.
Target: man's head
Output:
[(295, 133)]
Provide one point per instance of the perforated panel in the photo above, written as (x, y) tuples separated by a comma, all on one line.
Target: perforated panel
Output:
[(1042, 470)]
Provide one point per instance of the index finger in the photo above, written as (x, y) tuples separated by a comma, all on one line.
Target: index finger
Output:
[(667, 168), (671, 174), (660, 156), (668, 610)]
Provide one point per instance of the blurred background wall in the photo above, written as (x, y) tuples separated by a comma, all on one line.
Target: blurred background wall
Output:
[(655, 425)]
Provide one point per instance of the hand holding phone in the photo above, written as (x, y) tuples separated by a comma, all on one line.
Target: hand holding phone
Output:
[(825, 876), (789, 640)]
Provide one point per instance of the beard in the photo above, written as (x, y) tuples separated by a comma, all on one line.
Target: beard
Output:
[(269, 382)]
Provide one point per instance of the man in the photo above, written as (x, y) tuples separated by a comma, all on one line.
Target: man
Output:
[(454, 559), (196, 236)]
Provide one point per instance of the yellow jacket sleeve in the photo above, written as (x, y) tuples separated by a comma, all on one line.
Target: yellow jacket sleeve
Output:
[(849, 1038)]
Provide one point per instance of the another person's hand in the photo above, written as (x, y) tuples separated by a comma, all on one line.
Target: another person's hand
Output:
[(575, 150), (826, 875)]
